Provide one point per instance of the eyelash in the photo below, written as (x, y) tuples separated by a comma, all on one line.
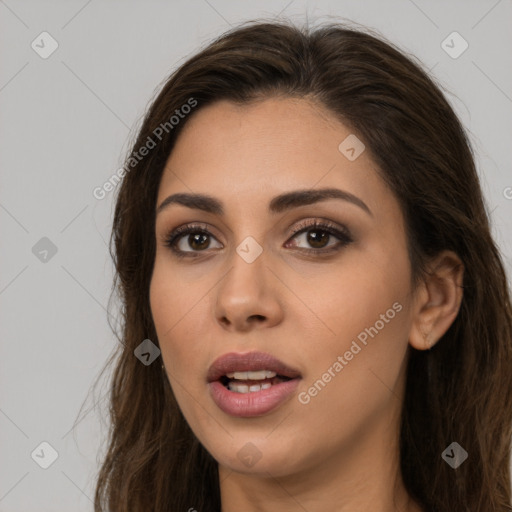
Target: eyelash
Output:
[(342, 234)]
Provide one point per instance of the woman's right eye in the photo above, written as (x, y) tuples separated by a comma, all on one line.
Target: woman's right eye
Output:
[(198, 240)]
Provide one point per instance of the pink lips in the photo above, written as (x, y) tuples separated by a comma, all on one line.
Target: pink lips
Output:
[(254, 403)]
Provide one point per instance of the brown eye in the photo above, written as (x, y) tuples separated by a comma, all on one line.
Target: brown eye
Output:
[(317, 238), (198, 241)]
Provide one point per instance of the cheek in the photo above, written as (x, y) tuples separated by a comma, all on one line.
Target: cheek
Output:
[(367, 325), (352, 383), (367, 316), (171, 308), (168, 304), (353, 295), (179, 312)]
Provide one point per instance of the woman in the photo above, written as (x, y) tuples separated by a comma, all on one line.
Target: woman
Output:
[(301, 232)]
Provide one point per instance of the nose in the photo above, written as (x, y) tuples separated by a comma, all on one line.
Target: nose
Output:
[(248, 297)]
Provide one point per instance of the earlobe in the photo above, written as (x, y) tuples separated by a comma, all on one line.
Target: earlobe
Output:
[(437, 302)]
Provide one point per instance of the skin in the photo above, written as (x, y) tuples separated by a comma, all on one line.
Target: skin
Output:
[(340, 450)]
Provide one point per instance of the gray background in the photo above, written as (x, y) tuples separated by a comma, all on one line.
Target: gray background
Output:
[(66, 123)]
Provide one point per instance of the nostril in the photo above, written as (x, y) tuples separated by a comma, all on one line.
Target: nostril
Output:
[(257, 317), (225, 321)]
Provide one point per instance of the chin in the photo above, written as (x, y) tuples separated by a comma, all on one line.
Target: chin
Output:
[(258, 458)]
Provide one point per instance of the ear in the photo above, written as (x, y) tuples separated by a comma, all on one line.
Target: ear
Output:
[(437, 300)]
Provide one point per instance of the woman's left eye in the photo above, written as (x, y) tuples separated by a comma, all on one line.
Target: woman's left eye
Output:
[(316, 234)]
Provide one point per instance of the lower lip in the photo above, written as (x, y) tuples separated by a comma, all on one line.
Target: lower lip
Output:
[(257, 403)]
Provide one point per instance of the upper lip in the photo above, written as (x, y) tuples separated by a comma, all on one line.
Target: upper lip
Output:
[(248, 361)]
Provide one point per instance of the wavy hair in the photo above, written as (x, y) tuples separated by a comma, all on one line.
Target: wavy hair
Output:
[(459, 390)]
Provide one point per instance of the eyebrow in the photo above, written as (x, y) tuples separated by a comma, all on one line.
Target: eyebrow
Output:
[(278, 204)]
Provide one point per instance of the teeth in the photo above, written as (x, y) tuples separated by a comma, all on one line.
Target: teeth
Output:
[(244, 388), (259, 375)]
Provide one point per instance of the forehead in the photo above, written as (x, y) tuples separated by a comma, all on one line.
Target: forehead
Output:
[(264, 148)]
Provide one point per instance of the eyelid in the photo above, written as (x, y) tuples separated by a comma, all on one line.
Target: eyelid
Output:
[(171, 237), (320, 223), (339, 231)]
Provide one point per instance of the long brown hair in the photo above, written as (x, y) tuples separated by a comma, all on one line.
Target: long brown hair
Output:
[(459, 391)]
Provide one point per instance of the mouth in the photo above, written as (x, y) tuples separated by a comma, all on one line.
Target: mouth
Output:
[(250, 366), (251, 384), (252, 381)]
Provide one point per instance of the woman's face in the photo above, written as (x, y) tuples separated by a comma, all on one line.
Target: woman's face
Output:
[(332, 302)]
